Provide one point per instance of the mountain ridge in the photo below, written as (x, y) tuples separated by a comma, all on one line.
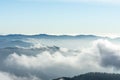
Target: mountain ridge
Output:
[(53, 36), (93, 76)]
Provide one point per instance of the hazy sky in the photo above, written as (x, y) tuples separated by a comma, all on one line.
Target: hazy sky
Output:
[(60, 16)]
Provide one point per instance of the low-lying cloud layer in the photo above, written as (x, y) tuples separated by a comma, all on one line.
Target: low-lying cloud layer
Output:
[(8, 76), (109, 53), (46, 63)]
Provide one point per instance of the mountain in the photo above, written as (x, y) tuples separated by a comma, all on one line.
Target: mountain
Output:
[(51, 36), (93, 76)]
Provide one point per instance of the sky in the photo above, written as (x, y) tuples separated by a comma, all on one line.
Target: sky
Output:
[(60, 17)]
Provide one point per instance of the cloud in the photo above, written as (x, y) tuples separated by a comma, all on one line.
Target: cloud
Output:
[(109, 53), (8, 76), (102, 56), (53, 62)]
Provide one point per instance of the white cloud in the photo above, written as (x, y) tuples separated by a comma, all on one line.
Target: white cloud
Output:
[(110, 53), (8, 76), (102, 56)]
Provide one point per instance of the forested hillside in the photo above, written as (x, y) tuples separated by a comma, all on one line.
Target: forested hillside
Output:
[(93, 76)]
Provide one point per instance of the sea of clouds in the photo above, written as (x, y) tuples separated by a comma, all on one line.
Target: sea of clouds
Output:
[(38, 61)]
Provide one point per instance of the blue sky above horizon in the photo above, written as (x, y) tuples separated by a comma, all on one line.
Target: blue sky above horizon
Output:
[(60, 17)]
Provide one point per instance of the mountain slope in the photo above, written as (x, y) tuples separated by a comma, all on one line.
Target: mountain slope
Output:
[(93, 76)]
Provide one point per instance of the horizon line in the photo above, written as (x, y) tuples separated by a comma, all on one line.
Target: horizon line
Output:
[(49, 34)]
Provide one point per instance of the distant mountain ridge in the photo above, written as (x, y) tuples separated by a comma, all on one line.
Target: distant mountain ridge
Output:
[(93, 76), (51, 36)]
